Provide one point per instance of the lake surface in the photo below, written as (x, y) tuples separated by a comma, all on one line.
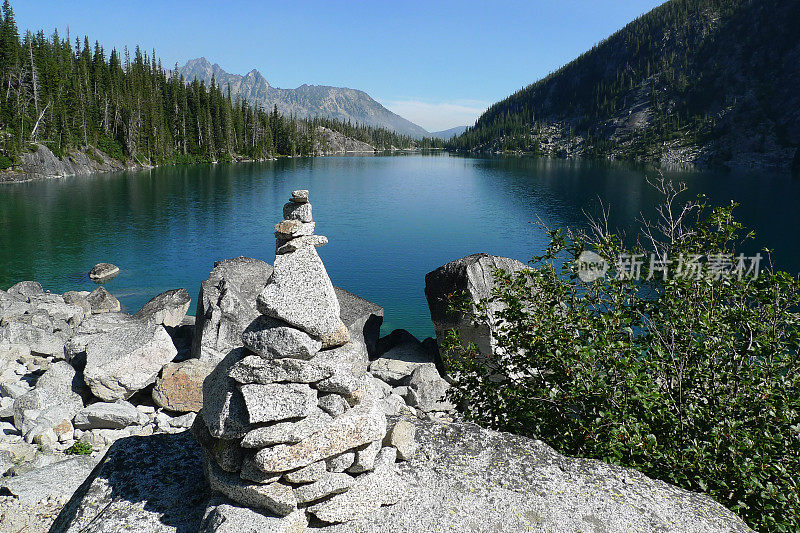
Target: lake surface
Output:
[(390, 220)]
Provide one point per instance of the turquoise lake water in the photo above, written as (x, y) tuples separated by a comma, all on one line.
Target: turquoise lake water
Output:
[(390, 220)]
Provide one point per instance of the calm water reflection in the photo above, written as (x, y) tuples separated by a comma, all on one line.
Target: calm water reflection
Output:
[(390, 220)]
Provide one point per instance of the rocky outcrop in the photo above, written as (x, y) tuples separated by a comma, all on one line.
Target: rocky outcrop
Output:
[(461, 478), (126, 359), (167, 309), (42, 163), (473, 275), (226, 306), (332, 142)]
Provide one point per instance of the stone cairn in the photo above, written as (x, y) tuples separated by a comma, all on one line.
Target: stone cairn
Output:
[(291, 422)]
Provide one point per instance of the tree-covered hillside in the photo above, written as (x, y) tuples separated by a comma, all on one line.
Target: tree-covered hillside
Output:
[(705, 81), (69, 95)]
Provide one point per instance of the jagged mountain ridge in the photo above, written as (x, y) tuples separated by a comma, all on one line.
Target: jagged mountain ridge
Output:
[(707, 82), (305, 101)]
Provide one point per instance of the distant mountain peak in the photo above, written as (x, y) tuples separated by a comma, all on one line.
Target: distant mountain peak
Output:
[(339, 103)]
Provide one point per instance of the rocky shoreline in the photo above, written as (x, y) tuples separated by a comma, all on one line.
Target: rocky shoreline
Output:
[(302, 417), (41, 163)]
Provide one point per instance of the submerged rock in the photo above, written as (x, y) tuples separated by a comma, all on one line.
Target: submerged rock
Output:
[(103, 272)]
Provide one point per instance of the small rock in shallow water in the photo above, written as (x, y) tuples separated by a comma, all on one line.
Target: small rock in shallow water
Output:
[(103, 272)]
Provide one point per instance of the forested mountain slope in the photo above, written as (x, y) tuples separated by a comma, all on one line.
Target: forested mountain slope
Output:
[(708, 82)]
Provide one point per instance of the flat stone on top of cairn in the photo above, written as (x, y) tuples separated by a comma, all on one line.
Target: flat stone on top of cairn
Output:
[(313, 426), (300, 196)]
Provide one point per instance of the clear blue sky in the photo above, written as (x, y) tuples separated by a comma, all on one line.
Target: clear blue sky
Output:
[(437, 63)]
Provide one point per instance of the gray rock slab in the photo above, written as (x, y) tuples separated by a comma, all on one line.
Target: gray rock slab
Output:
[(105, 415), (464, 478), (226, 306), (278, 401), (40, 341), (274, 339), (62, 379), (287, 432), (382, 487), (290, 229), (58, 480), (224, 411), (230, 518), (70, 313), (358, 426), (401, 436), (12, 307), (474, 275), (349, 358), (255, 369), (44, 407), (340, 463), (103, 272), (78, 298), (167, 309), (333, 404), (25, 289), (250, 472), (275, 497), (470, 479), (386, 456), (292, 245), (300, 196), (126, 359), (330, 483), (296, 211), (428, 389), (397, 365), (365, 458), (301, 294), (152, 484), (102, 301), (307, 474)]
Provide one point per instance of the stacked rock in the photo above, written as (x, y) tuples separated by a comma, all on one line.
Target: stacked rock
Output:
[(291, 423)]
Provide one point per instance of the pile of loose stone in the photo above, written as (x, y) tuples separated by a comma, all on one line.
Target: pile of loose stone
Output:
[(291, 423)]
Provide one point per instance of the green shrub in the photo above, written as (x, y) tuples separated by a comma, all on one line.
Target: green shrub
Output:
[(692, 380), (92, 154), (79, 448), (111, 147), (5, 162)]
